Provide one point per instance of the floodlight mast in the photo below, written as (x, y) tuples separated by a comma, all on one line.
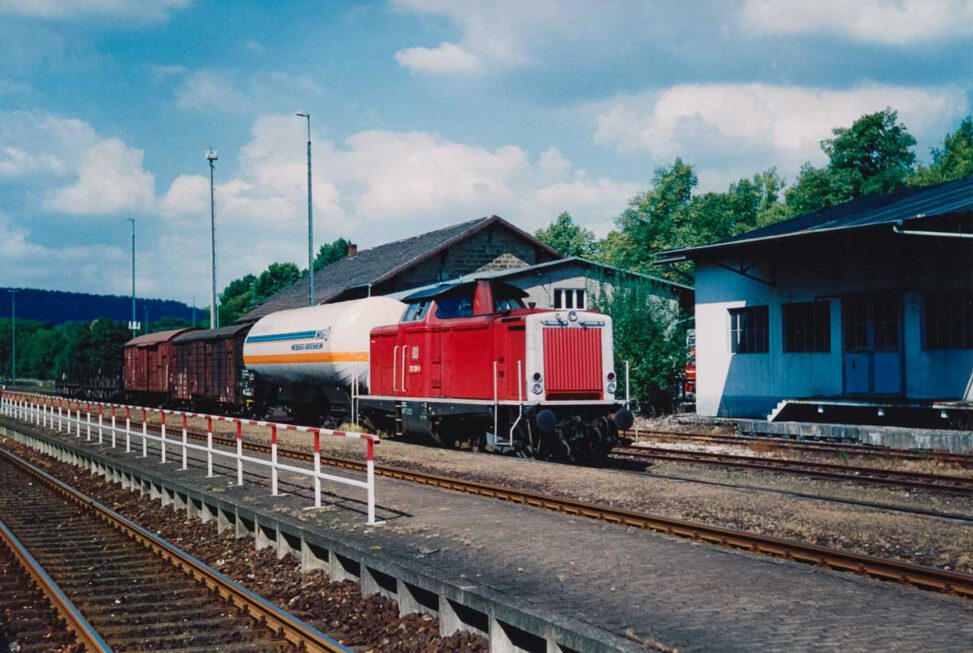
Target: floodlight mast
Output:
[(214, 319), (310, 218)]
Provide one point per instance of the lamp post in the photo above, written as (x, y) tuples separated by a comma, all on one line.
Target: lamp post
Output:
[(310, 218), (214, 319), (133, 326), (13, 337)]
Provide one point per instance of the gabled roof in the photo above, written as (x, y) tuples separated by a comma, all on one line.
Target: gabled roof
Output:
[(379, 264), (154, 338), (909, 205), (212, 334)]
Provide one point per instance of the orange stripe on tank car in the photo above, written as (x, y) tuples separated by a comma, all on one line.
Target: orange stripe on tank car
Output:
[(308, 357)]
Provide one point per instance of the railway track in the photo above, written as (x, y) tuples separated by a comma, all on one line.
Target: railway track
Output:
[(832, 448), (132, 588), (920, 576), (829, 471)]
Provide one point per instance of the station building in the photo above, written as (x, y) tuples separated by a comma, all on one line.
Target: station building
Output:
[(858, 313), (489, 247)]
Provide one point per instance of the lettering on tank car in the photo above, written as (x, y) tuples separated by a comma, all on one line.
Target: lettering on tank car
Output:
[(323, 334), (305, 346)]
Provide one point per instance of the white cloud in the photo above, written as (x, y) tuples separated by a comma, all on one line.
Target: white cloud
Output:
[(877, 21), (737, 127), (135, 10), (110, 180), (510, 33), (445, 58), (229, 92)]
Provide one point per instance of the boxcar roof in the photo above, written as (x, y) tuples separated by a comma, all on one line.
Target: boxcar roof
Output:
[(154, 338), (213, 334)]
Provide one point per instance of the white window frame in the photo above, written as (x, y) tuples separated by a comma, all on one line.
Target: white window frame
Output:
[(578, 297)]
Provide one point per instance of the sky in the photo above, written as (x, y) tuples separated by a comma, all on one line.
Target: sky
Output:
[(424, 113)]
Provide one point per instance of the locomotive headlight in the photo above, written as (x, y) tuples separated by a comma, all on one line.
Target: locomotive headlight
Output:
[(611, 376), (573, 316), (537, 388), (611, 387), (536, 376)]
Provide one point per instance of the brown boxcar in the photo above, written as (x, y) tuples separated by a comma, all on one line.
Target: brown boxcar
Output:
[(148, 364), (208, 364)]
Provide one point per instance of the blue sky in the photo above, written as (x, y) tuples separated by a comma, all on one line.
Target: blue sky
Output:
[(424, 113)]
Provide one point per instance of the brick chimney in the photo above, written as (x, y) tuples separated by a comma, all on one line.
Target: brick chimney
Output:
[(352, 250)]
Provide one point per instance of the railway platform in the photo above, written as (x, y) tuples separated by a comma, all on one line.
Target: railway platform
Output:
[(535, 580)]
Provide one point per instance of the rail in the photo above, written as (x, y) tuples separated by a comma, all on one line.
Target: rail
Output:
[(280, 623), (40, 411), (830, 471), (85, 635)]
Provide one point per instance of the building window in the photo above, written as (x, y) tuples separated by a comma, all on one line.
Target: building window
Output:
[(570, 298), (807, 327), (948, 320), (748, 330)]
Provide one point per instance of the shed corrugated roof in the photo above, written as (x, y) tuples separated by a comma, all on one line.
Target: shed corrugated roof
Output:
[(154, 338), (378, 264), (908, 204)]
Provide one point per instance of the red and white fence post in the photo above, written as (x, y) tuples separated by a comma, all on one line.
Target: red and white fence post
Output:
[(162, 416), (370, 478), (209, 446), (87, 412), (317, 468), (101, 424), (239, 452), (114, 431), (128, 430), (145, 435), (273, 459), (185, 436)]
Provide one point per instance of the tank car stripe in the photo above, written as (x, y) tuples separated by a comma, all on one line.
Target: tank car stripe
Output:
[(308, 357), (279, 337)]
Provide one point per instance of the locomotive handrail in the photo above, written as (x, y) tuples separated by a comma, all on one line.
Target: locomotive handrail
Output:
[(38, 409)]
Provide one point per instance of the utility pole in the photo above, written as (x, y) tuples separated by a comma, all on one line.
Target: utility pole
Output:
[(214, 318), (310, 218), (134, 325), (13, 337)]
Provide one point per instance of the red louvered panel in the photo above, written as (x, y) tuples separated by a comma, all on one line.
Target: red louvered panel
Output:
[(572, 362)]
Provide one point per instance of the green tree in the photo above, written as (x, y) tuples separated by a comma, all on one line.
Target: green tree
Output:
[(274, 278), (873, 156), (331, 253), (567, 237), (650, 335), (954, 160)]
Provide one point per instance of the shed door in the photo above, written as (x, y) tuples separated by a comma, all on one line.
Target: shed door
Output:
[(872, 328)]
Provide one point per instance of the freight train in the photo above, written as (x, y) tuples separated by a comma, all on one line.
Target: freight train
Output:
[(460, 364)]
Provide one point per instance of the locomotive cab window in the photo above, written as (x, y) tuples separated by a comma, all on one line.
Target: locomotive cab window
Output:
[(416, 312), (456, 305), (506, 299)]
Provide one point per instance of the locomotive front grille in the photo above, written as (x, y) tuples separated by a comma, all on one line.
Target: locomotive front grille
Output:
[(572, 363)]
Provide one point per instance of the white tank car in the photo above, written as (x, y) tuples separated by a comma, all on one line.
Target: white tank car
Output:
[(319, 345)]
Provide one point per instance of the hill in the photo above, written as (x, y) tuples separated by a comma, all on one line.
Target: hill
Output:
[(57, 307)]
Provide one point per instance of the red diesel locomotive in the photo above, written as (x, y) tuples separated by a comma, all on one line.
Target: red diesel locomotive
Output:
[(470, 363)]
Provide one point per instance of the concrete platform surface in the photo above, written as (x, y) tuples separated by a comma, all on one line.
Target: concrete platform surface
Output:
[(633, 584)]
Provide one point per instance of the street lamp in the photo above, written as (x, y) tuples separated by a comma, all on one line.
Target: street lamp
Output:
[(13, 336), (133, 325), (214, 318), (310, 218)]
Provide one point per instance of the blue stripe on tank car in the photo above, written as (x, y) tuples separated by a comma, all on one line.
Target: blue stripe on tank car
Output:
[(278, 337)]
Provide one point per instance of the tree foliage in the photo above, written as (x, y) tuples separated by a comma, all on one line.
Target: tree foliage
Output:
[(873, 156), (331, 253), (954, 160), (72, 351), (649, 334), (567, 237)]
